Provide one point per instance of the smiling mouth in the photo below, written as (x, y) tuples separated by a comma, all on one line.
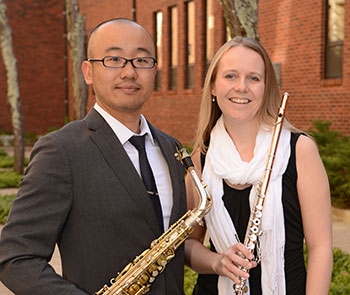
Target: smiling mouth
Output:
[(128, 88), (239, 100)]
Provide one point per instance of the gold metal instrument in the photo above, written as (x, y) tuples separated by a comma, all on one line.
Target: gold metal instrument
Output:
[(136, 278), (254, 223)]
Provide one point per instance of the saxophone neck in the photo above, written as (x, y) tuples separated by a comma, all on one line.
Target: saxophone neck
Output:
[(205, 202)]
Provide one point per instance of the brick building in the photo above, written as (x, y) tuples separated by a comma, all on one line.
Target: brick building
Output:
[(308, 42)]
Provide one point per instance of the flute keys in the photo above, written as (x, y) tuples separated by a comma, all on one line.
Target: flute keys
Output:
[(253, 237), (250, 246), (256, 221), (259, 207), (258, 214), (254, 229)]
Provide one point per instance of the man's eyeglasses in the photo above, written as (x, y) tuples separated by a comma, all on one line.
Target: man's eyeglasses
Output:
[(121, 62)]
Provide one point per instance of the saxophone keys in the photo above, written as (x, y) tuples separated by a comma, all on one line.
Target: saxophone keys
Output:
[(133, 289), (112, 281), (144, 278), (153, 270), (170, 253), (162, 260)]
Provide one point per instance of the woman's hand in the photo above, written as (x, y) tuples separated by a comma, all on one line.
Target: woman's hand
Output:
[(231, 260)]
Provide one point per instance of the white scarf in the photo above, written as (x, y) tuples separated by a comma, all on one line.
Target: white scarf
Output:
[(224, 162)]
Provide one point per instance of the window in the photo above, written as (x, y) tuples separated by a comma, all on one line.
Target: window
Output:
[(159, 48), (173, 47), (190, 44), (209, 32), (334, 39)]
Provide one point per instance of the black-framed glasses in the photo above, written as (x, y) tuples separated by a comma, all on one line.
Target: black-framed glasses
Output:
[(121, 62)]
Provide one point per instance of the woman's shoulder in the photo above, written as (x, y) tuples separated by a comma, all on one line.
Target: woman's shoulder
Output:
[(305, 145)]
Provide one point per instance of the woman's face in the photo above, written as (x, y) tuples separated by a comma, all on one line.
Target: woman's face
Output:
[(239, 85)]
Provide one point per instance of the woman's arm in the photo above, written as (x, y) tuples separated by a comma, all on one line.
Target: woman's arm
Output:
[(314, 198), (199, 257)]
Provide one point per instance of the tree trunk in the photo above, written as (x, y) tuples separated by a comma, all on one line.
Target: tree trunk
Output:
[(76, 36), (12, 88), (241, 17)]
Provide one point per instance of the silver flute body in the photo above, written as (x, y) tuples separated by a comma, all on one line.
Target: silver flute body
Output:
[(254, 223)]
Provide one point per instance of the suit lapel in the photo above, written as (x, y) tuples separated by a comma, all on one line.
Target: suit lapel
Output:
[(167, 149), (116, 157)]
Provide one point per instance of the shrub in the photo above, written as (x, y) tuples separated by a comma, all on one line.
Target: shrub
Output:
[(3, 153), (30, 138), (7, 162), (334, 148), (190, 280), (5, 206), (340, 284), (9, 179)]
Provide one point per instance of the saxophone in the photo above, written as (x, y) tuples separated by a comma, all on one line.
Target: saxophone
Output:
[(254, 223), (136, 278)]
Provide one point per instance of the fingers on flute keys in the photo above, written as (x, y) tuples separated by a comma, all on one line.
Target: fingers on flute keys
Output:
[(236, 262)]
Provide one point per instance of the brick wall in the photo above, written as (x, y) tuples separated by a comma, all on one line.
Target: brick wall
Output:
[(176, 111), (291, 31), (37, 36), (95, 13), (293, 34)]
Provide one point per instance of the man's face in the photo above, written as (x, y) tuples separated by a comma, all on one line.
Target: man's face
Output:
[(120, 90)]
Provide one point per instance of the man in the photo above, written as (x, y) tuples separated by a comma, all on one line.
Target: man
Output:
[(83, 190)]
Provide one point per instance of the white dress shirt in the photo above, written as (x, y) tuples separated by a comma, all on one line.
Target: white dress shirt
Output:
[(155, 157)]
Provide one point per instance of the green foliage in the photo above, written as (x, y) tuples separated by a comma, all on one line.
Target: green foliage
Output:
[(3, 153), (7, 162), (334, 150), (5, 206), (340, 284), (30, 138), (4, 132), (51, 129), (9, 179), (188, 147), (190, 280)]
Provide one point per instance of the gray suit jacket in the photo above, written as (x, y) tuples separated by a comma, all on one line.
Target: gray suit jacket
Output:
[(82, 191)]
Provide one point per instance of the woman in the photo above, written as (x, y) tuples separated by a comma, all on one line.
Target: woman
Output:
[(239, 104)]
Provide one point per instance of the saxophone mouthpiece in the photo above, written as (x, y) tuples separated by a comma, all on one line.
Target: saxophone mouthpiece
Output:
[(183, 156)]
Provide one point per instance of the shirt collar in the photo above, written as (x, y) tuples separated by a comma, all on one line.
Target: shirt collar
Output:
[(121, 131)]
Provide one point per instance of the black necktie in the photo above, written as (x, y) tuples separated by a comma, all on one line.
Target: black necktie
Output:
[(147, 176)]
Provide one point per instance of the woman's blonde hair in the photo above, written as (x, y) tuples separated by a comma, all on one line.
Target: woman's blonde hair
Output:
[(210, 112)]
